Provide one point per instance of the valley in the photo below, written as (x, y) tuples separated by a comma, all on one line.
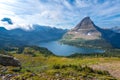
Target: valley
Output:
[(59, 39)]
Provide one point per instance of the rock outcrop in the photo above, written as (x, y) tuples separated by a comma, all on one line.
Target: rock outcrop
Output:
[(6, 60)]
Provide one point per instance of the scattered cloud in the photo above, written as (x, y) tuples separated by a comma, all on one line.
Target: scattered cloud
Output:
[(60, 13)]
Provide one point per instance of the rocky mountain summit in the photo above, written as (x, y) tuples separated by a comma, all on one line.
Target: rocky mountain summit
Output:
[(87, 34), (86, 29)]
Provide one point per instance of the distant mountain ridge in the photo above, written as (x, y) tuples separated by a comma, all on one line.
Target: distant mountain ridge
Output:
[(20, 37), (87, 34), (116, 29)]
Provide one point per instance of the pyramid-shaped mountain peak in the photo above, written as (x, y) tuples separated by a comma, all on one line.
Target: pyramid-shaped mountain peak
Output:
[(86, 23), (86, 29), (87, 18)]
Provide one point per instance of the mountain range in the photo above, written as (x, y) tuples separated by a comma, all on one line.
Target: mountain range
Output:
[(20, 37), (87, 34)]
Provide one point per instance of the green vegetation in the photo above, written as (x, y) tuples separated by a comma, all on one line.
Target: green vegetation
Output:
[(40, 64), (79, 42), (108, 53), (68, 36)]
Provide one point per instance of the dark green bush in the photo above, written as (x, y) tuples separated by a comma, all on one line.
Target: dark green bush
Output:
[(56, 66)]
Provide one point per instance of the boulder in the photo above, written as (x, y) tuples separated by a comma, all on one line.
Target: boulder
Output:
[(6, 60)]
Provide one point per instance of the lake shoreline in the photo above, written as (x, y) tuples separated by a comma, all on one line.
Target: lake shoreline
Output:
[(60, 49)]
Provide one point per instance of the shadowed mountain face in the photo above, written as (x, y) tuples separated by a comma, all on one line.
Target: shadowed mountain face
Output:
[(20, 37), (86, 33), (111, 36), (116, 29)]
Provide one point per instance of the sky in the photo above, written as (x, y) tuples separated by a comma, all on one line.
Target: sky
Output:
[(59, 13)]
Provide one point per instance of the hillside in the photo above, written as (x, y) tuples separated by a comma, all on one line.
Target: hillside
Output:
[(36, 65)]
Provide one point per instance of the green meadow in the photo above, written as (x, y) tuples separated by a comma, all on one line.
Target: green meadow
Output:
[(41, 64)]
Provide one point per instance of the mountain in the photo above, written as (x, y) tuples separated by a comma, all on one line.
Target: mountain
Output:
[(87, 34), (20, 37), (86, 30), (7, 40), (111, 36)]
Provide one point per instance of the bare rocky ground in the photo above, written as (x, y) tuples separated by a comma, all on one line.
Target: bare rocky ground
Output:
[(112, 67), (88, 36)]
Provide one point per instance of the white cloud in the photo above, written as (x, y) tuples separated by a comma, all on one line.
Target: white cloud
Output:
[(60, 13), (82, 3)]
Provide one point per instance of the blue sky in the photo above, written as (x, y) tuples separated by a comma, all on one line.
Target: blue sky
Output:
[(60, 13)]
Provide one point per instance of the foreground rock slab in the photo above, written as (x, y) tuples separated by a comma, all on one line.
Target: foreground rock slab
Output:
[(6, 60)]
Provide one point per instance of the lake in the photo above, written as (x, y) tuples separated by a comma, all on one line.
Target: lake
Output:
[(65, 50)]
